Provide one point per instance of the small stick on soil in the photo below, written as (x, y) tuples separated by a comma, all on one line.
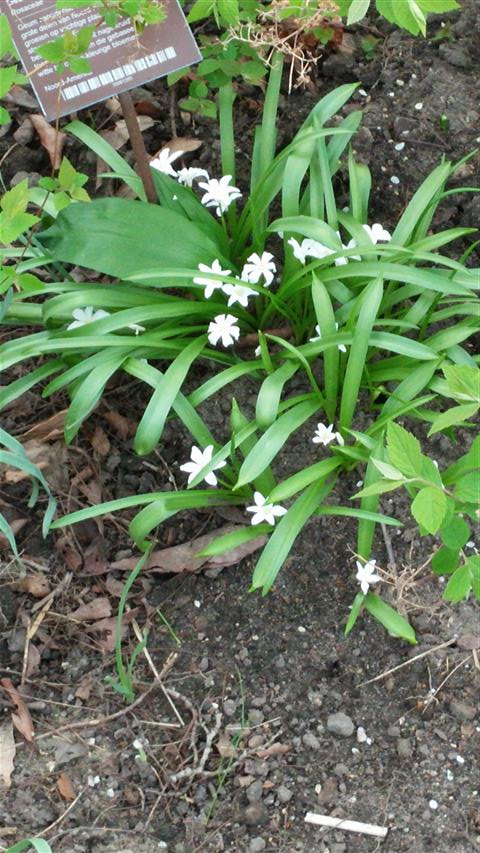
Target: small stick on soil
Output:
[(101, 721), (148, 657), (392, 564), (433, 695), (408, 662), (347, 825), (138, 145), (199, 770), (62, 817)]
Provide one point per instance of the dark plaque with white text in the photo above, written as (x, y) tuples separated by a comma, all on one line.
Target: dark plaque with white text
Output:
[(120, 59)]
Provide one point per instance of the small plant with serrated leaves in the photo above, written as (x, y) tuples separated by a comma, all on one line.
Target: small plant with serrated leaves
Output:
[(410, 15)]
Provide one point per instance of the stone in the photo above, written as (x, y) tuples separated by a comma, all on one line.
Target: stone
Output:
[(254, 792), (254, 814), (255, 717), (404, 747), (311, 741), (338, 848), (462, 711), (229, 707), (257, 845), (455, 55), (284, 794), (340, 724), (339, 66)]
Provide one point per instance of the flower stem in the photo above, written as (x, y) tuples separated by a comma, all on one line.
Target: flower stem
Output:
[(138, 145)]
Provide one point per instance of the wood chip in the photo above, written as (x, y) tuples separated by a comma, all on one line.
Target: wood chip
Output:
[(65, 788)]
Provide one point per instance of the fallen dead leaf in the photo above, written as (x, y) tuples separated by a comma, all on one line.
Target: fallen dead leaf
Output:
[(51, 140), (50, 428), (469, 642), (99, 608), (16, 526), (225, 746), (7, 753), (100, 442), (114, 586), (21, 718), (94, 561), (36, 585), (107, 628), (50, 458), (33, 661), (184, 558), (123, 426), (181, 143), (119, 135), (274, 749), (18, 95), (84, 688), (65, 788)]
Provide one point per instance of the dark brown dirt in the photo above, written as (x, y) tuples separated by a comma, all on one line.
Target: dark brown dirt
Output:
[(275, 669)]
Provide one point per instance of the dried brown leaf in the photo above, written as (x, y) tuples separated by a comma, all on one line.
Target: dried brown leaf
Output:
[(65, 788), (50, 458), (21, 718), (119, 135), (100, 442), (99, 608), (7, 753), (33, 661), (274, 749), (225, 746), (36, 585), (114, 586), (45, 430), (17, 524), (51, 139), (123, 426), (84, 688), (107, 629), (469, 642), (184, 558), (181, 143)]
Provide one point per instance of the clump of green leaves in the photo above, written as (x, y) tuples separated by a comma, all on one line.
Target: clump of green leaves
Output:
[(66, 186), (10, 76), (68, 51), (411, 15)]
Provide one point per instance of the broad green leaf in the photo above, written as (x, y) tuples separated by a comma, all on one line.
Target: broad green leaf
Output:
[(429, 508), (445, 560), (88, 393), (153, 420), (104, 235), (473, 564), (299, 481), (455, 416), (463, 382), (357, 11), (395, 624), (104, 150), (377, 517), (38, 844), (404, 450), (455, 534), (387, 470), (270, 393), (169, 504), (467, 489), (378, 488), (459, 584)]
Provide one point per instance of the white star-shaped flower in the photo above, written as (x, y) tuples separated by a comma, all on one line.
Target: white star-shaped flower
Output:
[(377, 233), (219, 194), (309, 248), (258, 266), (188, 175), (198, 460), (263, 511), (366, 575), (318, 337), (325, 435), (211, 284), (82, 316), (224, 327), (163, 163), (238, 293), (340, 262)]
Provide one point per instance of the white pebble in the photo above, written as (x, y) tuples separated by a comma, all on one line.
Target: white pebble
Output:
[(394, 180), (399, 146), (110, 793), (197, 603), (400, 82), (91, 741), (318, 788), (363, 93), (470, 544), (301, 629), (419, 106), (449, 775), (460, 759), (361, 735), (359, 484), (93, 781), (433, 805)]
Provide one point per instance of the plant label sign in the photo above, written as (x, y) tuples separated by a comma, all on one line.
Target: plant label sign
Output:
[(119, 58)]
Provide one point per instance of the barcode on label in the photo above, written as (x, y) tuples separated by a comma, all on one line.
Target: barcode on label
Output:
[(119, 73)]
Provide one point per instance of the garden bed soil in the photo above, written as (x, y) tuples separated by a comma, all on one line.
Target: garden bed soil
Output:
[(259, 683)]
